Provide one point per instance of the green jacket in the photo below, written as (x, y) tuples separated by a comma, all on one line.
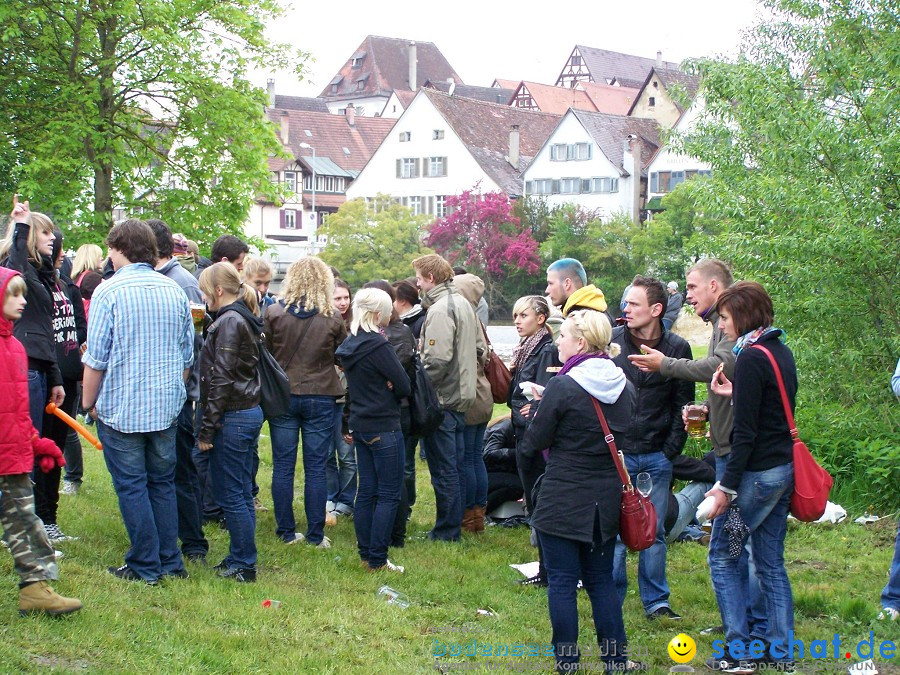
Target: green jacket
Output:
[(448, 345), (721, 415)]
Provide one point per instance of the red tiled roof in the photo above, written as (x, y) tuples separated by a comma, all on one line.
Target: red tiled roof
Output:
[(555, 100), (608, 98), (484, 130), (329, 135), (626, 69), (489, 94), (610, 132), (506, 84), (384, 66), (324, 200)]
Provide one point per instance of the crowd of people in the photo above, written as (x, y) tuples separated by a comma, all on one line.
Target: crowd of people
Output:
[(162, 349)]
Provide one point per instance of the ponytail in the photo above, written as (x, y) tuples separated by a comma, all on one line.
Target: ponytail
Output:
[(226, 276)]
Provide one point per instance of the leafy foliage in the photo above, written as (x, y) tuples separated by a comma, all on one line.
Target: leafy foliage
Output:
[(375, 240), (140, 104)]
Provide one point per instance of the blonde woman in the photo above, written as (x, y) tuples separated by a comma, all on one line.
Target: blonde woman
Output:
[(376, 383), (577, 513), (86, 272), (230, 394), (302, 332)]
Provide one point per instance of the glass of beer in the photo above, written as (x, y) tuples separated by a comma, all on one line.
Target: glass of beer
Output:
[(198, 313), (696, 419)]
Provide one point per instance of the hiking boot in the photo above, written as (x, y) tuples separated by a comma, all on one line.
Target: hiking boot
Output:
[(70, 488), (663, 612), (468, 520), (389, 567), (478, 519), (244, 575), (125, 572), (54, 534), (39, 598), (258, 505)]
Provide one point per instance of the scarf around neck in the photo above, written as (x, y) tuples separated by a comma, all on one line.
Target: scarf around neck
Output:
[(749, 339), (526, 348), (579, 359)]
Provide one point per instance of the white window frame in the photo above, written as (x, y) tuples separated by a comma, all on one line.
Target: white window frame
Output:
[(290, 219), (290, 181), (405, 136), (437, 167), (408, 167)]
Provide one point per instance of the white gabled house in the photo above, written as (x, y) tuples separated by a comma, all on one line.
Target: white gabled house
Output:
[(595, 160), (442, 145)]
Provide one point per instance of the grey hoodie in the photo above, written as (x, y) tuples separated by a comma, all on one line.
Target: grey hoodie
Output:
[(601, 378)]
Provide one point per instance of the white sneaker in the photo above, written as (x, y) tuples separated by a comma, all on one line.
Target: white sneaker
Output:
[(297, 538), (70, 488), (889, 614), (54, 534), (325, 543), (389, 567)]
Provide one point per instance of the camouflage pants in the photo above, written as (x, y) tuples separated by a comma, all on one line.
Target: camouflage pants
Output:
[(23, 531)]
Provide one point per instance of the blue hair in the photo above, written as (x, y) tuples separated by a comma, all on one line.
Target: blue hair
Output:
[(569, 268)]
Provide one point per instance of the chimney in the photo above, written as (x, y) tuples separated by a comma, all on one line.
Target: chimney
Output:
[(270, 90), (285, 127), (351, 115), (412, 66), (658, 58), (513, 157), (631, 162)]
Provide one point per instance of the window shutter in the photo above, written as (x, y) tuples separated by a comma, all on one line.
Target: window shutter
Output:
[(281, 219), (613, 184), (298, 219), (528, 187), (654, 182), (399, 167), (430, 205), (590, 150), (554, 186), (445, 167), (416, 173)]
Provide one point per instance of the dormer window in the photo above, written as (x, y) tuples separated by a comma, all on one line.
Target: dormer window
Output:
[(360, 85), (334, 89), (357, 59)]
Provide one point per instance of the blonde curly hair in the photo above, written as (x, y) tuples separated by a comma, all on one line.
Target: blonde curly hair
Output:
[(595, 329), (309, 283)]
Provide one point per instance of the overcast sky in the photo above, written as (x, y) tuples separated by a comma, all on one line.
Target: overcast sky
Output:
[(523, 40)]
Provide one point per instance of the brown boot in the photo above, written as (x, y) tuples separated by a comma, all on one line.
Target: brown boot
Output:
[(478, 519), (39, 597), (468, 521)]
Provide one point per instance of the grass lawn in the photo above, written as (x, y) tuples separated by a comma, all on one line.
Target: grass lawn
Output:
[(330, 620)]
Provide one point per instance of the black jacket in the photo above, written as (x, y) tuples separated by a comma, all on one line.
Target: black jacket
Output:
[(229, 366), (538, 368), (415, 322), (401, 339), (656, 423), (499, 451), (760, 438), (581, 482), (69, 328), (35, 329), (370, 363)]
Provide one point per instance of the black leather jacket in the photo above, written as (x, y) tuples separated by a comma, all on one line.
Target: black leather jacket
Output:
[(542, 365), (229, 374)]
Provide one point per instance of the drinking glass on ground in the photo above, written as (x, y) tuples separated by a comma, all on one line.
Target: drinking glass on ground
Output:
[(696, 419), (644, 483)]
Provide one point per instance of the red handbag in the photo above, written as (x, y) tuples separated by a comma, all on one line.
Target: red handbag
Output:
[(812, 483), (637, 518)]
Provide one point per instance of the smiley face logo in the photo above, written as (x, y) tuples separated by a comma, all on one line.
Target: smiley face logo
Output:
[(682, 648)]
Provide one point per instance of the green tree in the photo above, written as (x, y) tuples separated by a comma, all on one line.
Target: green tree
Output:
[(374, 240), (143, 104)]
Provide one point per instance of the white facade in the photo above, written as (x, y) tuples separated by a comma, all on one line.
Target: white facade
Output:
[(368, 106), (572, 169), (421, 162), (669, 168)]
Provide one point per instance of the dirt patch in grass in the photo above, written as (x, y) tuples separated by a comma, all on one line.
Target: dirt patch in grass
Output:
[(60, 663), (692, 328)]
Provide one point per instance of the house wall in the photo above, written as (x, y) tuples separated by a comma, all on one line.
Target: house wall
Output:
[(393, 108), (371, 105), (420, 119), (664, 110), (669, 160), (542, 167)]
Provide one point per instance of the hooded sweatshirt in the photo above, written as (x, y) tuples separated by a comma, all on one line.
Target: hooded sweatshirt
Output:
[(16, 451), (471, 287), (586, 297), (69, 325), (369, 364)]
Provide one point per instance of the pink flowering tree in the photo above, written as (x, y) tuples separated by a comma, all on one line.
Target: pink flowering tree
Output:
[(481, 233)]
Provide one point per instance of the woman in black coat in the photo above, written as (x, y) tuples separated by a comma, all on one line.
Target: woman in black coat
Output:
[(576, 514)]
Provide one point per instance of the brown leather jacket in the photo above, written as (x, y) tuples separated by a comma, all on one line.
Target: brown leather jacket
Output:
[(229, 374), (304, 343)]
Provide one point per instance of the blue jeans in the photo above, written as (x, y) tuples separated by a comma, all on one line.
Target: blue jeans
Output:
[(764, 500), (756, 614), (475, 474), (567, 561), (38, 395), (314, 417), (690, 497), (380, 457), (210, 510), (652, 583), (340, 468), (187, 486), (890, 596), (445, 451), (231, 469), (142, 467)]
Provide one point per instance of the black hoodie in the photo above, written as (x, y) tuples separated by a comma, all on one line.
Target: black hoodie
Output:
[(69, 325), (35, 329), (370, 363)]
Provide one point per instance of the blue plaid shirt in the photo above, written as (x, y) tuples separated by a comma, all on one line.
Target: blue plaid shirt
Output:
[(141, 335)]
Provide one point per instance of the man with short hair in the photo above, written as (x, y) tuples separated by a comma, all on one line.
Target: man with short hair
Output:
[(226, 248), (451, 343), (188, 489), (656, 434), (140, 346), (568, 288)]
